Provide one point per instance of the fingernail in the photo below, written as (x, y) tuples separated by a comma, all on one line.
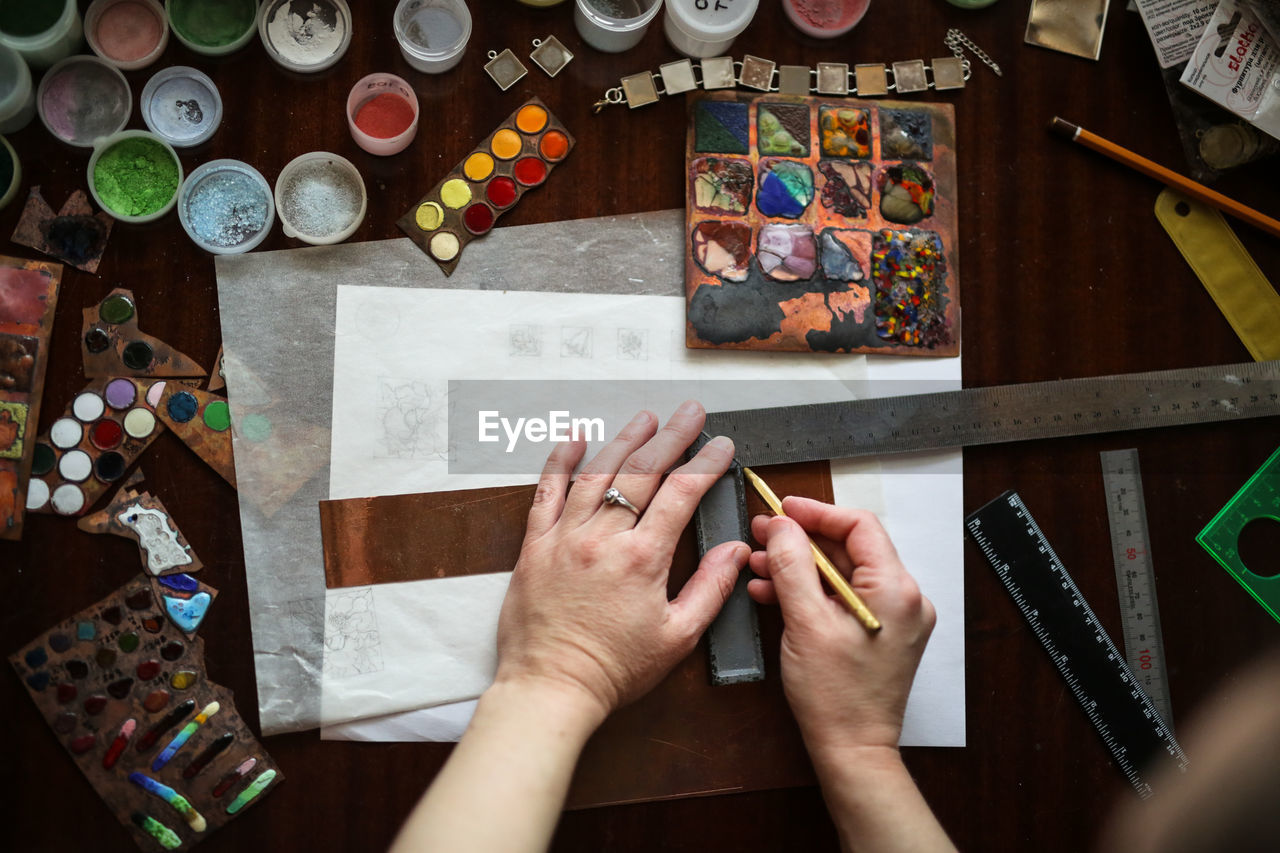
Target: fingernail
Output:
[(689, 407), (722, 443), (741, 553), (641, 419)]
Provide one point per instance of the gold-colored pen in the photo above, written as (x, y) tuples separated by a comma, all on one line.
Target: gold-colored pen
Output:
[(828, 570)]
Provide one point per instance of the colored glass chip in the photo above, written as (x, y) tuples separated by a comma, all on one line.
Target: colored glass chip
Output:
[(182, 406), (65, 723), (120, 688), (786, 188), (96, 340), (82, 744), (43, 460), (38, 680), (36, 657), (128, 642), (66, 692), (59, 642), (182, 582), (105, 658), (217, 416), (94, 705), (183, 679), (148, 670), (110, 467), (77, 669), (172, 650), (156, 700), (723, 184), (85, 631), (116, 308), (137, 355)]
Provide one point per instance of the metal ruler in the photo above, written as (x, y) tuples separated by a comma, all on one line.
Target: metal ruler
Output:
[(1096, 673), (1135, 576), (970, 416)]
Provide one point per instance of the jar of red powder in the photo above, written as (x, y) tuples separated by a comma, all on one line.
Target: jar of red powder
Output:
[(382, 113)]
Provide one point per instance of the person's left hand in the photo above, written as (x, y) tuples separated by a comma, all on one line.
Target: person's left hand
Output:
[(587, 609)]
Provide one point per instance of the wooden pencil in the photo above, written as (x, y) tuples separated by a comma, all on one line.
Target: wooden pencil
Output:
[(1185, 185), (828, 569)]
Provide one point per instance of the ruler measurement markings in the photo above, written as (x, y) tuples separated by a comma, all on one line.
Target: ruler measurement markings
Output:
[(1135, 576), (987, 415), (1060, 617)]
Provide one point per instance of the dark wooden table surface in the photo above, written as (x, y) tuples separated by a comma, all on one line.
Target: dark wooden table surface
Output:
[(1065, 271)]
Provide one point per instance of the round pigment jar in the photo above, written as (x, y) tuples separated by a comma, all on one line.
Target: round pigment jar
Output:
[(825, 19), (320, 198), (213, 27), (83, 99), (129, 34), (10, 173), (305, 37), (382, 114), (17, 95), (43, 31), (707, 29), (432, 33), (134, 175), (612, 26), (226, 207)]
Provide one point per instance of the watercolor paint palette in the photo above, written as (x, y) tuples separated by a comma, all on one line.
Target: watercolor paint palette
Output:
[(516, 158), (28, 297), (125, 692), (203, 421), (100, 435), (113, 346), (821, 224)]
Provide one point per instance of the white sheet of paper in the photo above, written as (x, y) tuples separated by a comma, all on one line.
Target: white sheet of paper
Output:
[(396, 349)]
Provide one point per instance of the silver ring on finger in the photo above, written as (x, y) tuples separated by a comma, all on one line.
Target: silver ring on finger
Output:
[(613, 497)]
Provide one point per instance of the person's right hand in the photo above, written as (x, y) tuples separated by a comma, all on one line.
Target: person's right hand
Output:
[(847, 687)]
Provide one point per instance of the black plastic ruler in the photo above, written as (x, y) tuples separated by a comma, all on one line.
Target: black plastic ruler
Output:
[(970, 416), (1135, 576), (1095, 671)]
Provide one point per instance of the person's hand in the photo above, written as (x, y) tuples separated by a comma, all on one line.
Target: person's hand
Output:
[(587, 609), (847, 687)]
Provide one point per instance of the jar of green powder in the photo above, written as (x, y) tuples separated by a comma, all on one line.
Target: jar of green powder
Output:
[(134, 176), (213, 27)]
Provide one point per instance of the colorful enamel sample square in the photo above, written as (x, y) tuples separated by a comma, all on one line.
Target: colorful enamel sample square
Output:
[(514, 159), (821, 224), (28, 296), (122, 684)]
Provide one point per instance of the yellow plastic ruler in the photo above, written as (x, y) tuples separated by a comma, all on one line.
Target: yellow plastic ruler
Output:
[(1243, 294)]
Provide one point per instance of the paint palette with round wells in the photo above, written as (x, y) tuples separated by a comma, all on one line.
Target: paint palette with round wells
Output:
[(99, 436), (113, 346), (203, 422), (123, 687), (517, 157)]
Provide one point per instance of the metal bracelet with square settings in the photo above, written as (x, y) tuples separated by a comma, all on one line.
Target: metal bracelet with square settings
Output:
[(505, 68), (639, 89), (910, 76), (678, 77), (833, 78), (871, 81), (550, 55), (948, 73), (718, 73), (757, 73)]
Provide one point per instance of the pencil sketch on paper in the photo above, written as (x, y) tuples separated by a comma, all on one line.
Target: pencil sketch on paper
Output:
[(526, 341), (352, 645), (409, 420), (575, 341), (633, 344)]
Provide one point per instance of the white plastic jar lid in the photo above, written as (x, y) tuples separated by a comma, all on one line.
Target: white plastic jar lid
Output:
[(717, 19)]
